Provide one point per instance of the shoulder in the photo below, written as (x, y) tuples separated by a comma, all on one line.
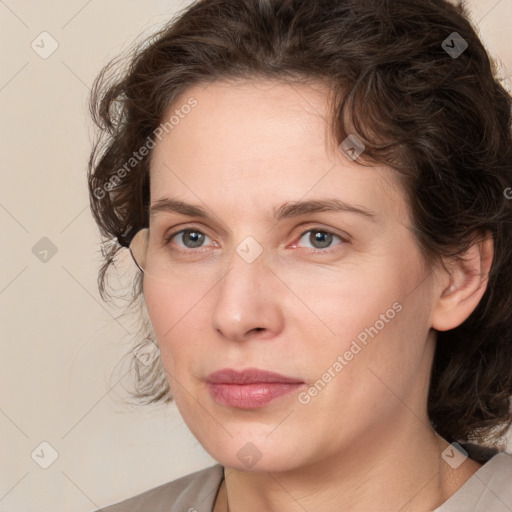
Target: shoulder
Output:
[(195, 492), (497, 474), (488, 490)]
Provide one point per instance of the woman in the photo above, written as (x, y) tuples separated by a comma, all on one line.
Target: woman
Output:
[(315, 194)]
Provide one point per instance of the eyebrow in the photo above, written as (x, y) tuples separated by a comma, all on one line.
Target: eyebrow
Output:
[(286, 210)]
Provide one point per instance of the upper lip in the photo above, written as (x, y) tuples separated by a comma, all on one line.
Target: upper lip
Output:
[(248, 376)]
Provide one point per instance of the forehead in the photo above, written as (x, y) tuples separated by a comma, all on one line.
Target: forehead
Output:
[(254, 141), (246, 121)]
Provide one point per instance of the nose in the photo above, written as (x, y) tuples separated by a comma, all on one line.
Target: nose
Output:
[(248, 303)]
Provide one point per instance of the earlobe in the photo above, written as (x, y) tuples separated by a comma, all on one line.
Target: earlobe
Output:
[(463, 285)]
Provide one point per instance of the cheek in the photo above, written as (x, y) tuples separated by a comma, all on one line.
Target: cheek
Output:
[(344, 304), (159, 303), (165, 309), (368, 318), (179, 314), (362, 334), (170, 303), (376, 356)]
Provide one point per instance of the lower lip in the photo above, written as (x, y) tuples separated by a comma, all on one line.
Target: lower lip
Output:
[(250, 396)]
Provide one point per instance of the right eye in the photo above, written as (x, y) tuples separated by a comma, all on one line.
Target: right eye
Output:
[(188, 238)]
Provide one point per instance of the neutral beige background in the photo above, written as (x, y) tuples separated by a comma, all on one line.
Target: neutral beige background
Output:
[(60, 342)]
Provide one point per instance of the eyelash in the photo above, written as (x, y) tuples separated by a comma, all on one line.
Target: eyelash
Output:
[(168, 239)]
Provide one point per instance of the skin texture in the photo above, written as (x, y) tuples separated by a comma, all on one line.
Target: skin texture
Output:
[(364, 441)]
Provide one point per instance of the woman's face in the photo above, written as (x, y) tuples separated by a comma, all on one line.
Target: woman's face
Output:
[(333, 296)]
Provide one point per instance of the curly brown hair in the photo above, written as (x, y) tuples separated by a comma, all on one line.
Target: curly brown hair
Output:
[(409, 88)]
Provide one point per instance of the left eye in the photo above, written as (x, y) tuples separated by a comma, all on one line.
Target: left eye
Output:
[(319, 239)]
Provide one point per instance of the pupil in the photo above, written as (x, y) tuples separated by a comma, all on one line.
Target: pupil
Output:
[(194, 238), (320, 240)]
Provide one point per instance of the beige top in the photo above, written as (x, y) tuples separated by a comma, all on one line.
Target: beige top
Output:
[(488, 490)]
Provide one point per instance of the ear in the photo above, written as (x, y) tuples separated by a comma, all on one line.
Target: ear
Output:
[(462, 285)]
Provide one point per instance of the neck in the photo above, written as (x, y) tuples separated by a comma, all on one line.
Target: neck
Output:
[(403, 473)]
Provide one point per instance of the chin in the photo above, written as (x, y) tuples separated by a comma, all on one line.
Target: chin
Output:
[(254, 453)]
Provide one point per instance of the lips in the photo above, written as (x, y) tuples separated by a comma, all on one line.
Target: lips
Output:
[(249, 376), (250, 388)]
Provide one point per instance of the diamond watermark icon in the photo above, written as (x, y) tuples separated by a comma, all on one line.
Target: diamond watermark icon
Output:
[(454, 455), (146, 354), (44, 45), (44, 455), (249, 454), (352, 147), (454, 45), (44, 250), (249, 249)]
